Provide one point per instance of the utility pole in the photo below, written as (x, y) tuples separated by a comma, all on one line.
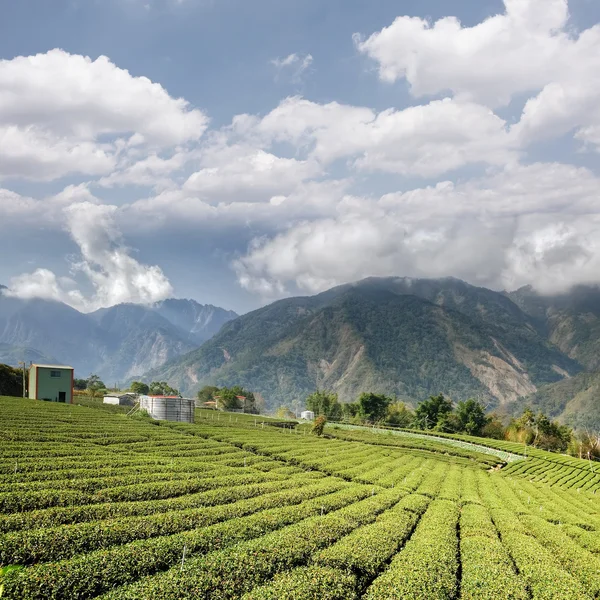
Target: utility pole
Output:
[(22, 362)]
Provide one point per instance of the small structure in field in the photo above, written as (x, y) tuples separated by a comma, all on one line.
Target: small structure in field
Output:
[(307, 415), (127, 399), (168, 408), (51, 382)]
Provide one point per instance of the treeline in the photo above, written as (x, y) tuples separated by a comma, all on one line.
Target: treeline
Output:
[(438, 413), (233, 398), (11, 380)]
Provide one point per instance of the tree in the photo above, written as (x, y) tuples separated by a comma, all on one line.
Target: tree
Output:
[(324, 403), (162, 388), (80, 384), (373, 407), (207, 393), (319, 425), (493, 428), (432, 410), (283, 412), (539, 431), (349, 410), (94, 385), (227, 399), (11, 381), (471, 416), (138, 387), (399, 414)]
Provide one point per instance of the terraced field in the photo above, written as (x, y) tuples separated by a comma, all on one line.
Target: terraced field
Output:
[(96, 504)]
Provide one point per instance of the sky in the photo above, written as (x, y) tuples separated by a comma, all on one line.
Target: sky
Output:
[(241, 151)]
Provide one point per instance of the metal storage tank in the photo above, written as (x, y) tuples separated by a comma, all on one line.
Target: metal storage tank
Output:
[(169, 408)]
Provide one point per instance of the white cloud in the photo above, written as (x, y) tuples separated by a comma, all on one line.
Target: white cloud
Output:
[(242, 172), (106, 262), (150, 171), (58, 109), (529, 49), (516, 52), (536, 224), (294, 66), (422, 140)]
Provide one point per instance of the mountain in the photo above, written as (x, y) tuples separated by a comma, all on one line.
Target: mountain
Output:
[(200, 321), (571, 321), (574, 401), (410, 337), (117, 343)]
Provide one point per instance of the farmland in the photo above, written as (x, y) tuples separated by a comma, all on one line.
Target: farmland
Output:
[(98, 504)]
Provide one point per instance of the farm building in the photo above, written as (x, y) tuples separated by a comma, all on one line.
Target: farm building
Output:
[(307, 415), (168, 408), (51, 382), (121, 399)]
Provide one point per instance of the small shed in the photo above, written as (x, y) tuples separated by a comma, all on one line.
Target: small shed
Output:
[(121, 399), (169, 408), (51, 382), (307, 415)]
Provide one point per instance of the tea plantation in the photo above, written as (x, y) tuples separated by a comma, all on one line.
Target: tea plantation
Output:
[(98, 504)]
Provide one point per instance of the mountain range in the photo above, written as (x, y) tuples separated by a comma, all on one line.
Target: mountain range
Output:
[(406, 337), (117, 343)]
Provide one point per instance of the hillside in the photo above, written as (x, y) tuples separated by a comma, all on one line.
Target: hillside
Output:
[(406, 337), (117, 343), (97, 503), (570, 321), (574, 401)]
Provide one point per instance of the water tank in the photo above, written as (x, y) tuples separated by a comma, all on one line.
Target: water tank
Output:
[(163, 408)]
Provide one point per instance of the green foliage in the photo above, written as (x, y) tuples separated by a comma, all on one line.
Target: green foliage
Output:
[(96, 504), (319, 425), (11, 381), (138, 387), (399, 414), (80, 384), (162, 388), (324, 403), (307, 583), (471, 416), (207, 393), (283, 412), (539, 431), (373, 407), (432, 413)]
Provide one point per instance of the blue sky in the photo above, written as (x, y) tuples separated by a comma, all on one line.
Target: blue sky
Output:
[(300, 156)]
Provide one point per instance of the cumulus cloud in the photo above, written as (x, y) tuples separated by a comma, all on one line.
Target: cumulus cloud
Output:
[(294, 66), (105, 261), (530, 49), (515, 52), (58, 109), (242, 172), (524, 225), (423, 140)]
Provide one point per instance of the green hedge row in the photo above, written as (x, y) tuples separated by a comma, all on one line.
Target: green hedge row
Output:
[(232, 572), (66, 541), (427, 567), (487, 570), (51, 517), (94, 573)]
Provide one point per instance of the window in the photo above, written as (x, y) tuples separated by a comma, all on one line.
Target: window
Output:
[(54, 373)]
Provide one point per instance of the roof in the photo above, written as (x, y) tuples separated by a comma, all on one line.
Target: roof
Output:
[(53, 366)]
